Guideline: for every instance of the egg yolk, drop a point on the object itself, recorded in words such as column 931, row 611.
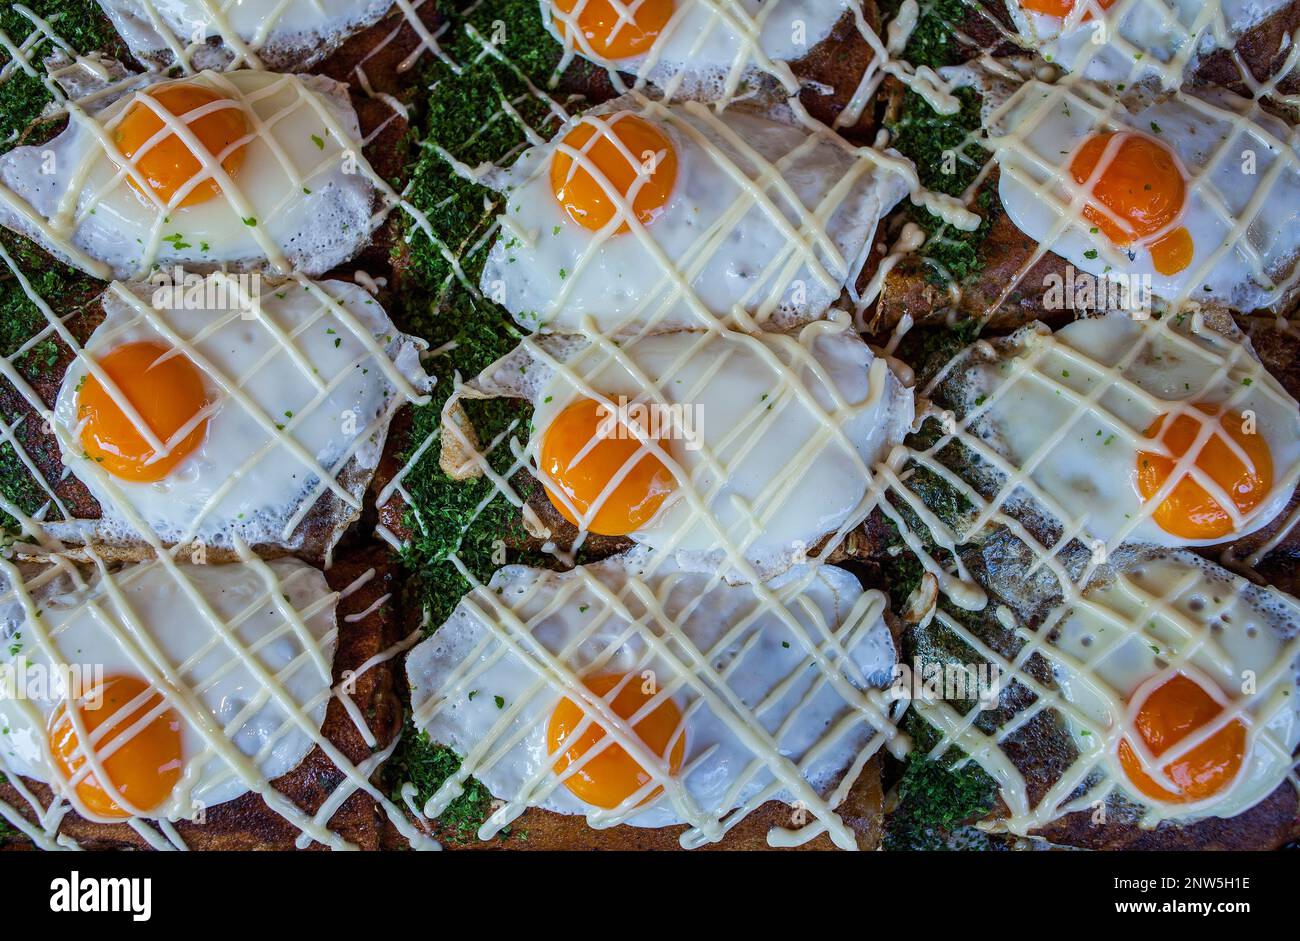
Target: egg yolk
column 169, row 165
column 1190, row 511
column 165, row 393
column 610, row 36
column 612, row 776
column 582, row 450
column 1173, row 711
column 1142, row 185
column 635, row 160
column 1060, row 8
column 144, row 769
column 1172, row 253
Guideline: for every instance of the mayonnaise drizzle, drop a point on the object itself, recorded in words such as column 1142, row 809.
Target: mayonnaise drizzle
column 888, row 479
column 127, row 630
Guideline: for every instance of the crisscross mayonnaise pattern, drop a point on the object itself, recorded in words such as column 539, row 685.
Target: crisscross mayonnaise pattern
column 103, row 588
column 510, row 631
column 890, row 478
column 808, row 240
column 1093, row 775
column 993, row 510
column 338, row 145
column 1232, row 361
column 789, row 358
column 126, row 632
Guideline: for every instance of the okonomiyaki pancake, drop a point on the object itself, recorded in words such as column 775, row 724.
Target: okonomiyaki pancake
column 1220, row 236
column 743, row 403
column 825, row 54
column 1171, row 41
column 243, row 170
column 314, row 776
column 201, row 34
column 236, row 432
column 522, row 677
column 673, row 217
column 1074, row 433
column 542, row 830
column 1067, row 767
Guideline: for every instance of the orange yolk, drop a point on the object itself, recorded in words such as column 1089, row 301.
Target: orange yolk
column 143, row 770
column 599, row 22
column 1172, row 253
column 1059, row 8
column 1141, row 185
column 612, row 776
column 582, row 450
column 170, row 164
column 166, row 395
column 1190, row 511
column 650, row 164
column 1171, row 713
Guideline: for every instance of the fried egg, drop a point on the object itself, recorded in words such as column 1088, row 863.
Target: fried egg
column 244, row 170
column 286, row 35
column 1188, row 678
column 693, row 48
column 1137, row 40
column 508, row 679
column 1165, row 432
column 210, row 418
column 643, row 213
column 713, row 446
column 1200, row 195
column 177, row 718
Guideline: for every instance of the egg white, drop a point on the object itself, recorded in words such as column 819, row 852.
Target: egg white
column 535, row 269
column 219, row 680
column 1039, row 130
column 267, row 494
column 317, row 218
column 564, row 606
column 745, row 413
column 1091, row 472
column 1256, row 635
column 287, row 34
